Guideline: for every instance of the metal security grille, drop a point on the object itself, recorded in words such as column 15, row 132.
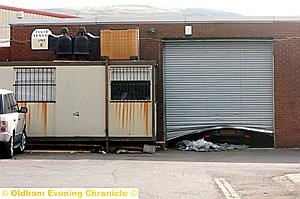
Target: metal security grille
column 218, row 83
column 35, row 84
column 130, row 83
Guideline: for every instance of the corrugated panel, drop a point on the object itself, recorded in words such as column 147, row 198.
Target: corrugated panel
column 218, row 83
column 7, row 16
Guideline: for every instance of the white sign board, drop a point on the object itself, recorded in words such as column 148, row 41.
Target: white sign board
column 188, row 30
column 39, row 39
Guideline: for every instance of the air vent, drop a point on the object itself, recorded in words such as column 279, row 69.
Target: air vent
column 64, row 43
column 20, row 14
column 81, row 44
column 79, row 47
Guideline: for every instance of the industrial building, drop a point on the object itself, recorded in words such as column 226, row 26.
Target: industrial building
column 211, row 74
column 9, row 14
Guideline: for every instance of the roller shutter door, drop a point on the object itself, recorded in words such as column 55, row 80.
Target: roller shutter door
column 218, row 84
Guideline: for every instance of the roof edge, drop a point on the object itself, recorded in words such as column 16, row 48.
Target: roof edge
column 99, row 21
column 38, row 12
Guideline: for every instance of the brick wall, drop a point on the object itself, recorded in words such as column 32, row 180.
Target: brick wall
column 286, row 60
column 287, row 84
column 4, row 54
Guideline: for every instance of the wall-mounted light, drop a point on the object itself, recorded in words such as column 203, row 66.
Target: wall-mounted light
column 151, row 30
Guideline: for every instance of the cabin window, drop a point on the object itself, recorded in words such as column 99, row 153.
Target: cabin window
column 35, row 84
column 130, row 84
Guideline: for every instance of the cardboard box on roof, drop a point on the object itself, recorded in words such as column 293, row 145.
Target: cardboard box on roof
column 119, row 44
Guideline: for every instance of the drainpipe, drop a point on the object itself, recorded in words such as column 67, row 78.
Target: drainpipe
column 106, row 105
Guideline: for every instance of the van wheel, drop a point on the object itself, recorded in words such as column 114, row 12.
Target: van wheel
column 22, row 146
column 9, row 152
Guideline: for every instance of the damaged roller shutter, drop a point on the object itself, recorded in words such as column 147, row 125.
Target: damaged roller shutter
column 218, row 84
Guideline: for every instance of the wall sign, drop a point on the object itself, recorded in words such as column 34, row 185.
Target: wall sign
column 39, row 39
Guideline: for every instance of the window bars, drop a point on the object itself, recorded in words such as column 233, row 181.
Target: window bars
column 130, row 84
column 35, row 84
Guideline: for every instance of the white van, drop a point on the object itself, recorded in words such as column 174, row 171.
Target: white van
column 12, row 124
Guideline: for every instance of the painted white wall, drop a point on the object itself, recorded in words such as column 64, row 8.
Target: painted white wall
column 80, row 89
column 7, row 78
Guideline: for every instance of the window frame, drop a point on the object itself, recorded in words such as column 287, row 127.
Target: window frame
column 134, row 89
column 13, row 103
column 35, row 84
column 6, row 105
column 131, row 75
column 1, row 104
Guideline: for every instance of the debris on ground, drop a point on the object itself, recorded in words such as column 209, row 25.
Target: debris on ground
column 149, row 148
column 126, row 151
column 205, row 146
